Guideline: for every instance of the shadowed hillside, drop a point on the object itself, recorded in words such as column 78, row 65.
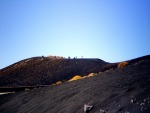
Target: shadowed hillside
column 118, row 90
column 47, row 70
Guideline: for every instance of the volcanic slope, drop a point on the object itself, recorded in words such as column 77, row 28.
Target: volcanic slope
column 47, row 70
column 118, row 90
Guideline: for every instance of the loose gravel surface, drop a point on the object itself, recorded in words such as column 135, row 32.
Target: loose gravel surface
column 118, row 90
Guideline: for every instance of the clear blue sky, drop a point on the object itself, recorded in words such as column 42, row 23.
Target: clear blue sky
column 112, row 30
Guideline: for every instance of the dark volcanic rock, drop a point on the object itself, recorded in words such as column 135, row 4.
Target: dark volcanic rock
column 45, row 71
column 124, row 90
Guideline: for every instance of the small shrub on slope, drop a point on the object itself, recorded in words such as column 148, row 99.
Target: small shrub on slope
column 122, row 64
column 59, row 82
column 77, row 77
column 84, row 77
column 91, row 74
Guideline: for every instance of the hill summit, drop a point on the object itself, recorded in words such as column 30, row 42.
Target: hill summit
column 47, row 70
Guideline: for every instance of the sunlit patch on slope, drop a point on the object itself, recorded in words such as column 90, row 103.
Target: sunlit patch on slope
column 122, row 64
column 59, row 82
column 77, row 77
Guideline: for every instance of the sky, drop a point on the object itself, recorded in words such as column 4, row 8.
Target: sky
column 112, row 30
